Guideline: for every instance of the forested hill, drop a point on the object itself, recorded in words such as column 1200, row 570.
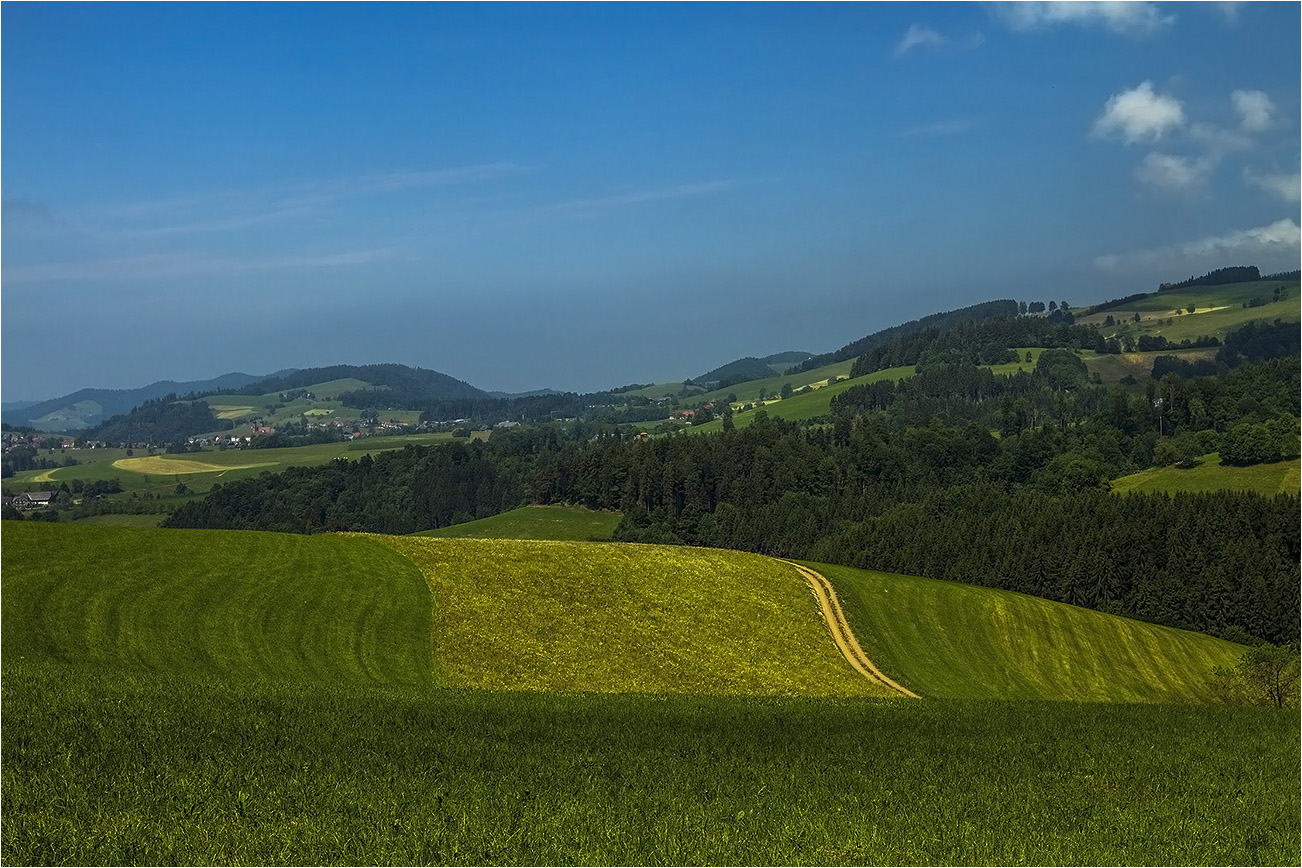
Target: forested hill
column 749, row 368
column 89, row 407
column 943, row 322
column 414, row 384
column 905, row 477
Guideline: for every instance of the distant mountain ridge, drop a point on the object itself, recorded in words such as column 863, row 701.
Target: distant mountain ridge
column 749, row 368
column 86, row 408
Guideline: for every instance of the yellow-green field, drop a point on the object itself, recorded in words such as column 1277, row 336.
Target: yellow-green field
column 604, row 617
column 1283, row 477
column 170, row 464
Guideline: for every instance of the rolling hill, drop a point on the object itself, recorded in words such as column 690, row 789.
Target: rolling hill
column 555, row 616
column 226, row 697
column 86, row 408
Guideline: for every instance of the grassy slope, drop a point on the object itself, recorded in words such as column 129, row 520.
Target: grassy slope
column 1283, row 477
column 812, row 403
column 1219, row 310
column 535, row 522
column 944, row 639
column 579, row 617
column 219, row 603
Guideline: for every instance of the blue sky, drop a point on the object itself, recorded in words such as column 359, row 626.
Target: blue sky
column 582, row 196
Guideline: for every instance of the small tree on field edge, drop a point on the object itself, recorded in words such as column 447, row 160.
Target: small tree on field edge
column 1265, row 675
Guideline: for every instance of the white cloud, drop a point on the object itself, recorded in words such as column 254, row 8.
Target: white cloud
column 1130, row 18
column 1255, row 109
column 1277, row 244
column 1174, row 174
column 1140, row 114
column 1285, row 186
column 918, row 34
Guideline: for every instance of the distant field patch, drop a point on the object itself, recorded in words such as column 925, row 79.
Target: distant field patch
column 229, row 411
column 161, row 465
column 1282, row 477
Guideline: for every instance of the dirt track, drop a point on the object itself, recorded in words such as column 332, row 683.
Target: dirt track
column 841, row 633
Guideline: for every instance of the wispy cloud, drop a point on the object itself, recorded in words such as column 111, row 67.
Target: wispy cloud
column 1128, row 18
column 1279, row 241
column 1256, row 111
column 1287, row 186
column 1175, row 174
column 918, row 35
column 184, row 264
column 639, row 197
column 229, row 210
column 1140, row 114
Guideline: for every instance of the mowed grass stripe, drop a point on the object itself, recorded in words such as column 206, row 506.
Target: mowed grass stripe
column 236, row 604
column 949, row 640
column 577, row 617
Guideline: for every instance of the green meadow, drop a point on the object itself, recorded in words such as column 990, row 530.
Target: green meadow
column 222, row 697
column 535, row 522
column 1282, row 477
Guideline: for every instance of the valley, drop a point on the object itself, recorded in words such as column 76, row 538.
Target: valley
column 973, row 595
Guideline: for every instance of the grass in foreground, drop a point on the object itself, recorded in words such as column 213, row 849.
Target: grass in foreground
column 118, row 767
column 950, row 640
column 535, row 522
column 1282, row 477
column 579, row 617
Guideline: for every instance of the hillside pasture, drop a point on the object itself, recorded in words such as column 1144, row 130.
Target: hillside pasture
column 576, row 617
column 811, row 404
column 958, row 641
column 535, row 522
column 1282, row 477
column 1218, row 310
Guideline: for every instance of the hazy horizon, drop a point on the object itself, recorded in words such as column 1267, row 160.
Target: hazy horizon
column 581, row 196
